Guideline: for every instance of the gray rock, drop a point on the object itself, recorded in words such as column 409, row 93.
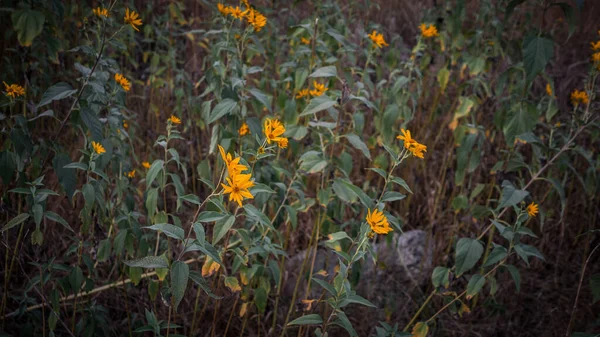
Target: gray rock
column 402, row 266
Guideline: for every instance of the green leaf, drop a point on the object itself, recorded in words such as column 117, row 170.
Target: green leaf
column 520, row 119
column 191, row 198
column 354, row 298
column 179, row 279
column 343, row 191
column 148, row 262
column 475, row 284
column 392, row 196
column 211, row 216
column 440, row 277
column 510, row 195
column 468, row 252
column 91, row 120
column 76, row 165
column 497, row 254
column 261, row 97
column 514, row 272
column 537, row 51
column 38, row 214
column 260, row 188
column 402, row 183
column 420, row 329
column 358, row 144
column 317, row 104
column 66, row 176
column 327, row 71
column 57, row 218
column 151, row 202
column 56, row 92
column 197, row 278
column 460, row 202
column 260, row 299
column 16, row 221
column 312, row 319
column 153, row 171
column 325, row 286
column 255, row 214
column 171, row 231
column 28, row 24
column 221, row 228
column 338, row 236
column 524, row 251
column 343, row 321
column 224, row 107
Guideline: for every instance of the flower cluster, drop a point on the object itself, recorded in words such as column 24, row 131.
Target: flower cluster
column 378, row 40
column 274, row 130
column 132, row 19
column 252, row 16
column 123, row 82
column 317, row 90
column 130, row 174
column 237, row 183
column 378, row 222
column 428, row 31
column 101, row 12
column 14, row 90
column 411, row 144
column 579, row 97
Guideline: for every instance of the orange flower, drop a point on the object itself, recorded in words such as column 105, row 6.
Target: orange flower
column 244, row 130
column 273, row 130
column 14, row 90
column 174, row 119
column 428, row 31
column 123, row 82
column 377, row 39
column 132, row 19
column 378, row 222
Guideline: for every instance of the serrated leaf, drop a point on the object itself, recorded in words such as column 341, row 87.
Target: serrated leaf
column 537, row 51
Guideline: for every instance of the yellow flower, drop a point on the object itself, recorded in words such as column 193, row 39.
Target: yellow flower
column 596, row 57
column 261, row 150
column 233, row 165
column 406, row 137
column 132, row 18
column 302, row 93
column 225, row 10
column 557, row 124
column 305, row 40
column 418, row 149
column 98, row 148
column 378, row 222
column 377, row 39
column 579, row 97
column 428, row 31
column 532, row 209
column 246, row 3
column 124, row 82
column 130, row 174
column 273, row 130
column 236, row 12
column 125, row 125
column 14, row 90
column 412, row 145
column 549, row 89
column 238, row 188
column 319, row 89
column 243, row 130
column 283, row 143
column 146, row 165
column 256, row 19
column 101, row 12
column 595, row 45
column 174, row 119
